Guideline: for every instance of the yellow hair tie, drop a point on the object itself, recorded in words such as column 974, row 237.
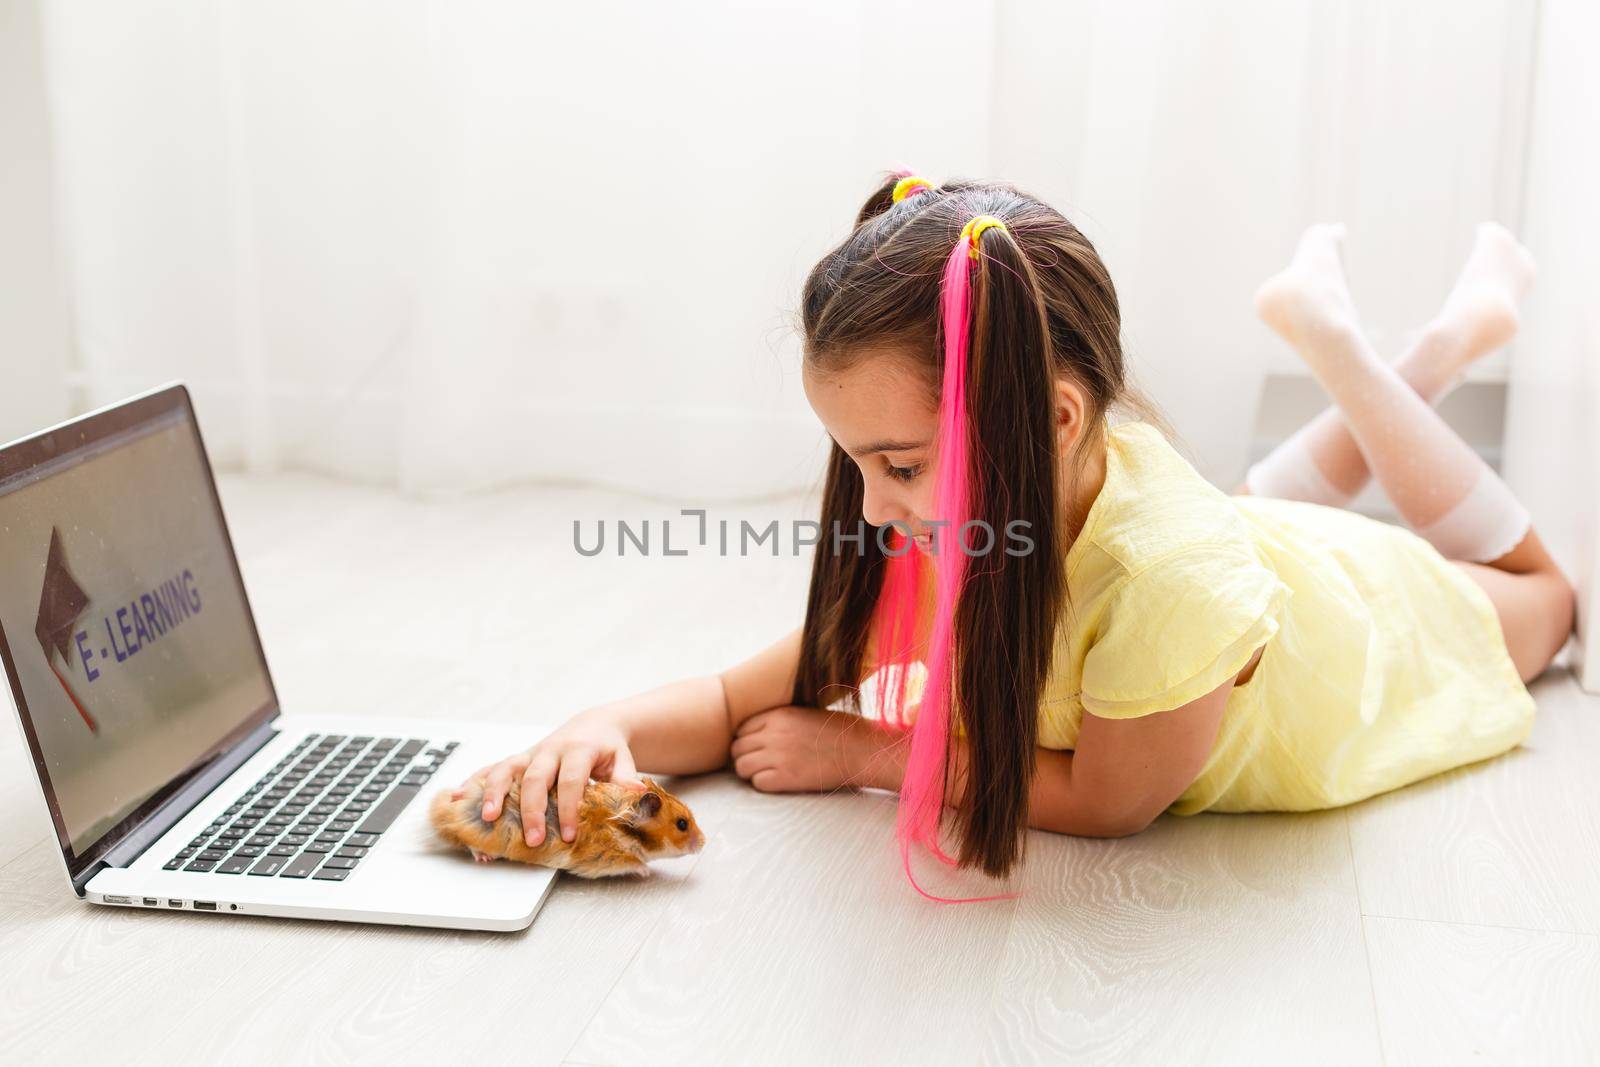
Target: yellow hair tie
column 974, row 230
column 904, row 186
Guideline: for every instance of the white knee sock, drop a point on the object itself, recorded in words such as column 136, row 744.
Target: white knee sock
column 1438, row 484
column 1486, row 524
column 1289, row 473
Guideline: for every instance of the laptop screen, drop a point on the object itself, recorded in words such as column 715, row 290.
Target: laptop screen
column 125, row 624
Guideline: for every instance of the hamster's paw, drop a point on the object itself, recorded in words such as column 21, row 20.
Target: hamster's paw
column 483, row 857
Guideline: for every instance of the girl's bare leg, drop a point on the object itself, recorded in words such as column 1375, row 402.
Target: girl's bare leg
column 1440, row 486
column 1322, row 461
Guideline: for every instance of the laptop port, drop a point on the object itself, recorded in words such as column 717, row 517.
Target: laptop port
column 205, row 905
column 109, row 899
column 151, row 902
column 174, row 903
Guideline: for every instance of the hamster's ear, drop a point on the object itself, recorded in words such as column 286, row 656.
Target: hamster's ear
column 647, row 806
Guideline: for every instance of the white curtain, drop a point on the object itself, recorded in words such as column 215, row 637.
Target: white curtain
column 451, row 245
column 1552, row 434
column 1194, row 142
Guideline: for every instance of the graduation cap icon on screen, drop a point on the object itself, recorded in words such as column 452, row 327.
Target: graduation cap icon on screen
column 60, row 605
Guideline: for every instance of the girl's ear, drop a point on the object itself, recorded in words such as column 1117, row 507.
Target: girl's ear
column 1071, row 414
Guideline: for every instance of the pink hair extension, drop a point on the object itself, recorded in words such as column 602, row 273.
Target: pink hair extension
column 896, row 615
column 922, row 791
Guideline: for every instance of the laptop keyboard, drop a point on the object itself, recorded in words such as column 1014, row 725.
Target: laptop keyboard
column 319, row 811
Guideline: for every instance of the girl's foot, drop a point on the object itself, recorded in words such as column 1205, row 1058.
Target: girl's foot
column 1308, row 301
column 1480, row 314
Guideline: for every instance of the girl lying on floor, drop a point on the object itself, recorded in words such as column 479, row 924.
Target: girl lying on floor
column 1164, row 646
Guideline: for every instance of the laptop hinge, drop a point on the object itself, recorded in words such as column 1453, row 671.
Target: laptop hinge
column 183, row 801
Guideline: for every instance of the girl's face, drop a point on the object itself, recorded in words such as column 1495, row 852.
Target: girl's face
column 880, row 411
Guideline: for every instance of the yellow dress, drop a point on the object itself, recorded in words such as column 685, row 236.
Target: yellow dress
column 1383, row 664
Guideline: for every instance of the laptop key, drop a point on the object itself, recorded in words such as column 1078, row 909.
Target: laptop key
column 341, row 862
column 269, row 865
column 331, row 874
column 200, row 865
column 212, row 854
column 322, row 847
column 234, row 865
column 284, row 850
column 301, row 866
column 248, row 851
column 362, row 840
column 383, row 816
column 349, row 852
column 172, row 864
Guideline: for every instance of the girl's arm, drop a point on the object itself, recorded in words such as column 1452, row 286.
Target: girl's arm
column 681, row 728
column 686, row 727
column 1123, row 774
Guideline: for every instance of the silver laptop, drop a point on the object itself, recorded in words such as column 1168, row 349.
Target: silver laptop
column 171, row 779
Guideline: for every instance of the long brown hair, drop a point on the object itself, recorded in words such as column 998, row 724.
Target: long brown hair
column 1043, row 307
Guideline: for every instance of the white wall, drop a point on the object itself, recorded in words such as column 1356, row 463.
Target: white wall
column 34, row 324
column 1553, row 422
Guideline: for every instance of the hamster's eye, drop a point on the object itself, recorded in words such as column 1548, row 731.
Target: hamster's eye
column 683, row 824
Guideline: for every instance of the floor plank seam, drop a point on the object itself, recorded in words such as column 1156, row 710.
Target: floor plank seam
column 1484, row 926
column 989, row 1019
column 601, row 1003
column 1366, row 950
column 4, row 864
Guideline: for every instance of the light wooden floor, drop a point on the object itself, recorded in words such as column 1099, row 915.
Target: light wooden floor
column 1455, row 921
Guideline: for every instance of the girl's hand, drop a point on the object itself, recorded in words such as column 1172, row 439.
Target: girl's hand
column 584, row 748
column 801, row 750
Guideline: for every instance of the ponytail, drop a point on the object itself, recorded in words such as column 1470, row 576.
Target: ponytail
column 994, row 333
column 995, row 614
